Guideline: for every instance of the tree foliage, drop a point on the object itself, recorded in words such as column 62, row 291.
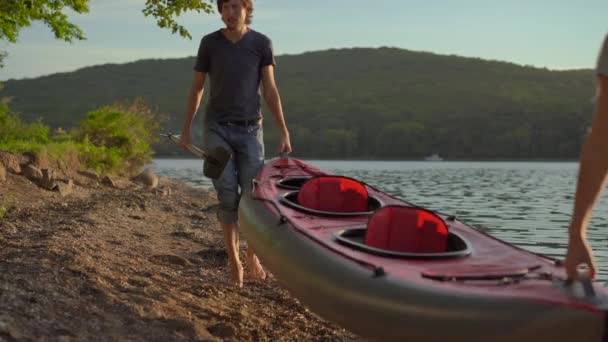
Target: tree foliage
column 12, row 128
column 165, row 12
column 17, row 14
column 124, row 131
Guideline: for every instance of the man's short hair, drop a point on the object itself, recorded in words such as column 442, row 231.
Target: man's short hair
column 248, row 5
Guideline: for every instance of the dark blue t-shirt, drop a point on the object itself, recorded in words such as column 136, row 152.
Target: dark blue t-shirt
column 234, row 72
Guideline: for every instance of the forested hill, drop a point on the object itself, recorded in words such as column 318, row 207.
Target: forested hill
column 383, row 103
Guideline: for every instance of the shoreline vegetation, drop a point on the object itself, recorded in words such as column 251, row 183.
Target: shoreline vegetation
column 88, row 252
column 114, row 140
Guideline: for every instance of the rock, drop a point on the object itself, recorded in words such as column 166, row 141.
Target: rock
column 165, row 191
column 222, row 330
column 86, row 184
column 147, row 178
column 7, row 329
column 90, row 174
column 47, row 181
column 87, row 179
column 12, row 162
column 168, row 259
column 107, row 181
column 31, row 157
column 2, row 173
column 31, row 172
column 64, row 188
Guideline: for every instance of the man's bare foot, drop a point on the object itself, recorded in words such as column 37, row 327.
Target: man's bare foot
column 237, row 275
column 255, row 269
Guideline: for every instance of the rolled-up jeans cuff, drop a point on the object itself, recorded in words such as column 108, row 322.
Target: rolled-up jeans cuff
column 227, row 216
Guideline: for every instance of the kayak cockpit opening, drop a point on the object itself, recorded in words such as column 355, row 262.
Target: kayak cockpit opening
column 406, row 231
column 355, row 238
column 294, row 183
column 332, row 195
column 291, row 199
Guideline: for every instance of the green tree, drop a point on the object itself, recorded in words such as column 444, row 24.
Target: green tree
column 165, row 12
column 17, row 14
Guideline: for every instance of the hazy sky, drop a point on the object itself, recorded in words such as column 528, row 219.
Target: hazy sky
column 557, row 34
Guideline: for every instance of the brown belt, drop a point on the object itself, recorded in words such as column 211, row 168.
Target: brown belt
column 241, row 123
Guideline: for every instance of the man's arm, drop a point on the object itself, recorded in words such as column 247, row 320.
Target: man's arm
column 273, row 99
column 591, row 179
column 194, row 100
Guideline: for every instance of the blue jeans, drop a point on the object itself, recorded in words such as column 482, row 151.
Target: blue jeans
column 247, row 147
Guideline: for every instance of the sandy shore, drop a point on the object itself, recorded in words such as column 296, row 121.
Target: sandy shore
column 128, row 263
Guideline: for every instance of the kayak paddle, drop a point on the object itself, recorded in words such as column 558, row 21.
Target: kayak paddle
column 215, row 160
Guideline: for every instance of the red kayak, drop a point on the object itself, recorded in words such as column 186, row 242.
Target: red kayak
column 389, row 270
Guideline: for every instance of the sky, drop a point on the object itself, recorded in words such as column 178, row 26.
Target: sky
column 556, row 34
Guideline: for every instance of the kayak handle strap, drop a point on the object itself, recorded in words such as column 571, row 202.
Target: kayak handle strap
column 586, row 281
column 588, row 287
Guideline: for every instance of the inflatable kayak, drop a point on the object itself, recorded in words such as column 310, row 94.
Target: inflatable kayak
column 389, row 270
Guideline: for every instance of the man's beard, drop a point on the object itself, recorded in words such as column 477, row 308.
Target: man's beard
column 232, row 26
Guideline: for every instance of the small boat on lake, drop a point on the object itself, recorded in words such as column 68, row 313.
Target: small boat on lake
column 434, row 157
column 389, row 270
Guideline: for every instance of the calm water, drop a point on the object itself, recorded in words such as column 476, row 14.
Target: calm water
column 526, row 203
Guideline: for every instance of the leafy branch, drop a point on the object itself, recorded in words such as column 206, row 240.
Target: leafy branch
column 17, row 14
column 165, row 12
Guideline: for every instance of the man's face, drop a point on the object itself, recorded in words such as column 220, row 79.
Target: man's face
column 234, row 14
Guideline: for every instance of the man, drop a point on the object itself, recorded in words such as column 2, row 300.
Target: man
column 236, row 58
column 591, row 177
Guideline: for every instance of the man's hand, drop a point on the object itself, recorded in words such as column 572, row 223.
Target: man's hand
column 284, row 143
column 185, row 140
column 579, row 253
